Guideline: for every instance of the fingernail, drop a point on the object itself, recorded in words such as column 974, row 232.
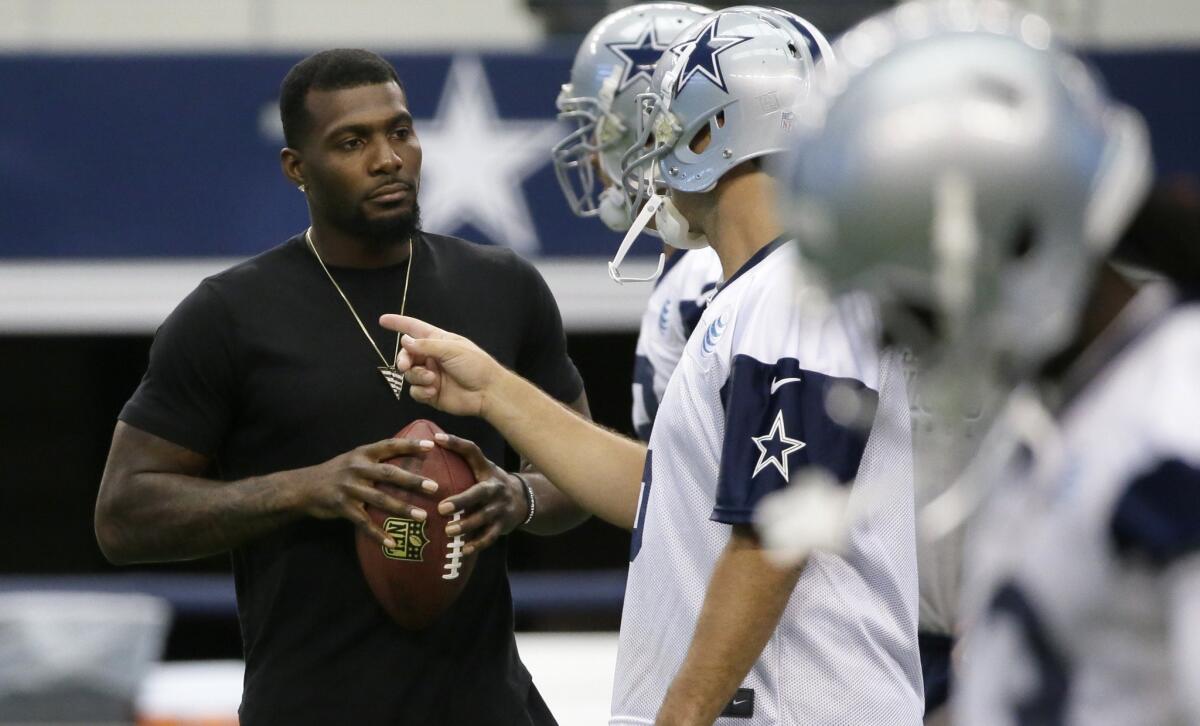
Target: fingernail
column 418, row 514
column 429, row 485
column 446, row 508
column 426, row 443
column 389, row 543
column 406, row 339
column 453, row 529
column 441, row 437
column 468, row 549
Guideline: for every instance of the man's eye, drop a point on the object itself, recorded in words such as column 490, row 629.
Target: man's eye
column 402, row 133
column 351, row 144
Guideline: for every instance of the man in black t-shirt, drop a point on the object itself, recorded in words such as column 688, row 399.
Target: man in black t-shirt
column 265, row 415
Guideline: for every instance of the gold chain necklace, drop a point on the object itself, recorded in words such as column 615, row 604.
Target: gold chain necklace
column 394, row 378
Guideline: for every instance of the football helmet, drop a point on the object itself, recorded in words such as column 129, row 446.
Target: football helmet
column 613, row 65
column 968, row 172
column 724, row 93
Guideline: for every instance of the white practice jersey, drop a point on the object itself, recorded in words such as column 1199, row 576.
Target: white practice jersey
column 745, row 410
column 942, row 447
column 1083, row 579
column 671, row 315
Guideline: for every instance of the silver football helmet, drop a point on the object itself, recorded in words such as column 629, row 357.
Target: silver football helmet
column 733, row 81
column 968, row 172
column 613, row 65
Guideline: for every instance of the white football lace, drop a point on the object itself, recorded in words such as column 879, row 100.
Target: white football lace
column 453, row 553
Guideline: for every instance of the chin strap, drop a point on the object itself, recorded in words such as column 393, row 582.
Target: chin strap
column 643, row 218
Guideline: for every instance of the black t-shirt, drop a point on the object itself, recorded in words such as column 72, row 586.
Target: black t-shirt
column 263, row 369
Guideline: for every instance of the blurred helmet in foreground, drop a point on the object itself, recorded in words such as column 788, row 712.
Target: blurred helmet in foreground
column 613, row 65
column 969, row 173
column 724, row 93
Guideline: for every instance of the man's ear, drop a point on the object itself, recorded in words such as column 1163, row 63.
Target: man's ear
column 292, row 165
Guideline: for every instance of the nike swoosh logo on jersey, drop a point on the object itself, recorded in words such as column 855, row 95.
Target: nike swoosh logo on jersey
column 776, row 383
column 738, row 703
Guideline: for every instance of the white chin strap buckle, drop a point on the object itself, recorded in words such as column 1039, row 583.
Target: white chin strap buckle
column 643, row 218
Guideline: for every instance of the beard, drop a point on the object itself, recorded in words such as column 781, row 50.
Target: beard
column 385, row 232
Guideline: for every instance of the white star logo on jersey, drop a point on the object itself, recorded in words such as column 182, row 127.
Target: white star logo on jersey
column 475, row 162
column 774, row 448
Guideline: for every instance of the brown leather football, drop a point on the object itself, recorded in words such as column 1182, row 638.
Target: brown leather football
column 426, row 571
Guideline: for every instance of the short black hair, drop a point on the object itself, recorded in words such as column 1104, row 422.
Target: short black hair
column 329, row 70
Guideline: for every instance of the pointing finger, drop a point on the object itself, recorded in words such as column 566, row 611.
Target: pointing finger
column 410, row 326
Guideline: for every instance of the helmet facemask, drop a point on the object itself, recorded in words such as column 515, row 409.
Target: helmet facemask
column 592, row 145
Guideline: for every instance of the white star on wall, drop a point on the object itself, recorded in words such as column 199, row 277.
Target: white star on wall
column 785, row 446
column 475, row 162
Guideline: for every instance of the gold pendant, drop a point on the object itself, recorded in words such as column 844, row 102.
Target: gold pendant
column 394, row 378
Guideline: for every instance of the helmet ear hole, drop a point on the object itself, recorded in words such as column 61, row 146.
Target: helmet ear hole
column 700, row 141
column 720, row 118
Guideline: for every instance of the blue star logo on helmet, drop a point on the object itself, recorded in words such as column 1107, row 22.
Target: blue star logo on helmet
column 638, row 57
column 703, row 55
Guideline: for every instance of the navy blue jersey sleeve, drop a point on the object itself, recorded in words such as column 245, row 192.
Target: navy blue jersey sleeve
column 1157, row 519
column 187, row 393
column 776, row 424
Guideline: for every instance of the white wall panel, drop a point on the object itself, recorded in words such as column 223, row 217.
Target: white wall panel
column 16, row 23
column 388, row 24
column 154, row 25
column 117, row 25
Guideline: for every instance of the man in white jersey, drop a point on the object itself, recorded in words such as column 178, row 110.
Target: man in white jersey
column 613, row 66
column 672, row 313
column 1083, row 567
column 712, row 631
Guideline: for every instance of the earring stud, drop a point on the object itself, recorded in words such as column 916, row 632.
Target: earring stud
column 303, row 188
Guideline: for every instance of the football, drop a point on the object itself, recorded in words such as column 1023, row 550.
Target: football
column 426, row 571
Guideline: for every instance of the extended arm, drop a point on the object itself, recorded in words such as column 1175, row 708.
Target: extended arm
column 556, row 512
column 597, row 468
column 155, row 505
column 745, row 599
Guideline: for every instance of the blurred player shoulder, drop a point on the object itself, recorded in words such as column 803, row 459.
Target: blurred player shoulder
column 1146, row 405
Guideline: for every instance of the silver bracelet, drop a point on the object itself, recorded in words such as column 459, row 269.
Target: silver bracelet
column 528, row 498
